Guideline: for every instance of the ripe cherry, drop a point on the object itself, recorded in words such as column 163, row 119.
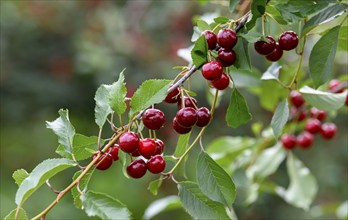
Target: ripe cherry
column 135, row 153
column 212, row 70
column 114, row 151
column 335, row 86
column 156, row 164
column 221, row 83
column 129, row 142
column 188, row 102
column 187, row 117
column 288, row 141
column 179, row 129
column 159, row 146
column 153, row 119
column 147, row 147
column 296, row 98
column 276, row 54
column 318, row 114
column 328, row 130
column 313, row 125
column 211, row 39
column 346, row 102
column 137, row 168
column 104, row 161
column 265, row 48
column 226, row 57
column 204, row 116
column 227, row 38
column 305, row 139
column 288, row 40
column 173, row 97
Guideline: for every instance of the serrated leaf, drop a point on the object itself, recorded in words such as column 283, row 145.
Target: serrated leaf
column 102, row 106
column 221, row 20
column 42, row 172
column 272, row 72
column 82, row 186
column 62, row 152
column 280, row 118
column 19, row 176
column 198, row 205
column 203, row 25
column 104, row 206
column 162, row 205
column 150, row 92
column 237, row 111
column 63, row 129
column 321, row 59
column 214, row 181
column 243, row 58
column 81, row 142
column 155, row 185
column 117, row 95
column 322, row 28
column 199, row 52
column 323, row 100
column 257, row 9
column 275, row 14
column 251, row 36
column 181, row 147
column 22, row 215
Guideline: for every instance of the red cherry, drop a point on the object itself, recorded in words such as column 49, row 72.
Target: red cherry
column 137, row 168
column 227, row 38
column 114, row 151
column 335, row 86
column 156, row 164
column 276, row 54
column 221, row 83
column 288, row 40
column 212, row 70
column 328, row 130
column 203, row 117
column 159, row 146
column 189, row 102
column 104, row 161
column 129, row 142
column 302, row 115
column 318, row 114
column 187, row 117
column 147, row 147
column 179, row 129
column 346, row 102
column 153, row 119
column 313, row 125
column 305, row 139
column 296, row 98
column 135, row 153
column 211, row 39
column 288, row 141
column 226, row 57
column 265, row 48
column 173, row 97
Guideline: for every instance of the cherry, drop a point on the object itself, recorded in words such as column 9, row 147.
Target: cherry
column 179, row 129
column 186, row 117
column 346, row 102
column 221, row 83
column 305, row 139
column 212, row 70
column 265, row 48
column 156, row 164
column 211, row 39
column 188, row 102
column 173, row 96
column 313, row 125
column 318, row 114
column 288, row 141
column 296, row 98
column 328, row 130
column 137, row 168
column 153, row 119
column 288, row 40
column 227, row 38
column 159, row 146
column 147, row 147
column 129, row 142
column 276, row 54
column 335, row 86
column 135, row 153
column 226, row 57
column 114, row 151
column 204, row 116
column 104, row 161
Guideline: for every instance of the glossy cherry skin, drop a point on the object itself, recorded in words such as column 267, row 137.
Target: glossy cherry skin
column 114, row 151
column 318, row 114
column 211, row 39
column 265, row 48
column 227, row 38
column 305, row 139
column 188, row 102
column 159, row 146
column 335, row 86
column 187, row 117
column 147, row 147
column 313, row 125
column 328, row 130
column 221, row 83
column 153, row 119
column 179, row 129
column 104, row 162
column 137, row 168
column 129, row 142
column 296, row 98
column 276, row 54
column 288, row 141
column 204, row 116
column 226, row 57
column 156, row 164
column 212, row 70
column 173, row 97
column 288, row 40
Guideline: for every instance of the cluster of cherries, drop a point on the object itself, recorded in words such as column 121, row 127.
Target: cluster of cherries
column 274, row 50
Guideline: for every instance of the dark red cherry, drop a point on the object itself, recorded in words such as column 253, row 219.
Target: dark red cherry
column 104, row 161
column 226, row 57
column 153, row 119
column 305, row 139
column 159, row 146
column 335, row 86
column 129, row 142
column 296, row 98
column 346, row 102
column 156, row 164
column 318, row 114
column 173, row 97
column 189, row 102
column 221, row 83
column 179, row 129
column 135, row 153
column 328, row 130
column 212, row 70
column 114, row 151
column 187, row 117
column 313, row 125
column 203, row 117
column 276, row 54
column 137, row 168
column 288, row 141
column 147, row 147
column 265, row 48
column 288, row 40
column 211, row 39
column 227, row 38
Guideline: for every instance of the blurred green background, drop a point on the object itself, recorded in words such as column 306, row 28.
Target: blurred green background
column 54, row 54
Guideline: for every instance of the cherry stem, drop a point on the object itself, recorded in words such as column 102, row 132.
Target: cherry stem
column 299, row 64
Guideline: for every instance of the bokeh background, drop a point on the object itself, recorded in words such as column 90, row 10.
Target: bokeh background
column 55, row 54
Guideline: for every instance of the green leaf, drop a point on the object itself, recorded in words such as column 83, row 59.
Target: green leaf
column 322, row 28
column 63, row 129
column 267, row 162
column 198, row 205
column 243, row 58
column 155, row 185
column 42, row 172
column 257, row 9
column 81, row 142
column 19, row 176
column 343, row 38
column 202, row 25
column 275, row 14
column 251, row 36
column 62, row 152
column 125, row 160
column 22, row 215
column 303, row 186
column 214, row 181
column 237, row 111
column 342, row 211
column 199, row 52
column 221, row 20
column 181, row 147
column 280, row 118
column 117, row 95
column 321, row 59
column 162, row 205
column 102, row 107
column 82, row 186
column 104, row 206
column 150, row 92
column 233, row 4
column 272, row 72
column 323, row 100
